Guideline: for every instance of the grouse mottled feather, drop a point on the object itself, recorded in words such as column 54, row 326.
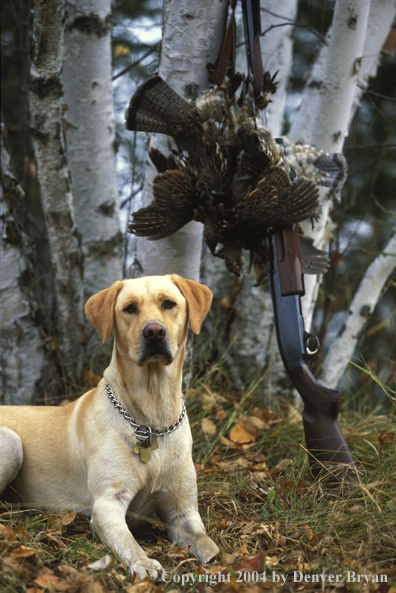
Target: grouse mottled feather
column 227, row 172
column 153, row 223
column 274, row 200
column 157, row 108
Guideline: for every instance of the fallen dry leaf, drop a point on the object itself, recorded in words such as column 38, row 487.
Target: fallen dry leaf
column 240, row 435
column 13, row 565
column 24, row 552
column 47, row 581
column 258, row 467
column 243, row 551
column 229, row 559
column 145, row 586
column 53, row 541
column 94, row 587
column 255, row 456
column 264, row 415
column 255, row 425
column 224, row 524
column 232, row 464
column 280, row 466
column 208, row 428
column 101, row 564
column 7, row 534
column 208, row 401
column 309, row 534
column 179, row 553
column 271, row 561
column 68, row 518
column 296, row 486
column 254, row 564
column 24, row 532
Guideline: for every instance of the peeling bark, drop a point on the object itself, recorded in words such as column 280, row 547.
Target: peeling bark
column 22, row 359
column 45, row 103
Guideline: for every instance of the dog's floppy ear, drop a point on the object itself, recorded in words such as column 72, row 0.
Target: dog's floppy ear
column 198, row 297
column 100, row 309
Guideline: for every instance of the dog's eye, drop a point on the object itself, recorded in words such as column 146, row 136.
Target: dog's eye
column 130, row 309
column 168, row 304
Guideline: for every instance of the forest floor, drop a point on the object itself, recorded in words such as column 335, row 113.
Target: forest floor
column 277, row 529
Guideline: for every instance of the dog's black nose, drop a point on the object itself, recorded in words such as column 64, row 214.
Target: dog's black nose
column 154, row 332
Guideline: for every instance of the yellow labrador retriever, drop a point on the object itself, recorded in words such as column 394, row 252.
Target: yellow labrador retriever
column 123, row 450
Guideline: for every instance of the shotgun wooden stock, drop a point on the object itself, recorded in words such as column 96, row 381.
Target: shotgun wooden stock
column 325, row 443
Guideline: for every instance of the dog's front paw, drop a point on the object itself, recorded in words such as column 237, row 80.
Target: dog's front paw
column 205, row 548
column 146, row 567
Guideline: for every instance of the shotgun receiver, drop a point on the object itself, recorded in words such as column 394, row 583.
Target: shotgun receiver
column 329, row 456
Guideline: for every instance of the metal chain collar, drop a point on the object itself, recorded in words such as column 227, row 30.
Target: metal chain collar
column 144, row 434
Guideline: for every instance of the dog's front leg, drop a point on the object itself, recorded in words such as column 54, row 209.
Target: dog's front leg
column 108, row 519
column 178, row 508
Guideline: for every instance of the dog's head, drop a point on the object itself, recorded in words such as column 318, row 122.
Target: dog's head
column 149, row 315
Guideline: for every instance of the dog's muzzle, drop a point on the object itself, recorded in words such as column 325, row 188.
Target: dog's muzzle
column 155, row 346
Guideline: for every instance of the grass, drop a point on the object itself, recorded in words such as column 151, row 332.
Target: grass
column 255, row 495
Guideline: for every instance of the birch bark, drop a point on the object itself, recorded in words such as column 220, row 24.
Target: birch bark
column 326, row 110
column 45, row 103
column 277, row 53
column 192, row 37
column 363, row 304
column 381, row 15
column 257, row 340
column 22, row 359
column 90, row 139
column 329, row 103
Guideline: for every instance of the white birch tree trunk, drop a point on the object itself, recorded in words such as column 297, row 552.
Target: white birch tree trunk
column 192, row 37
column 336, row 94
column 254, row 328
column 90, row 139
column 363, row 304
column 332, row 110
column 329, row 103
column 359, row 29
column 45, row 103
column 381, row 15
column 277, row 54
column 22, row 359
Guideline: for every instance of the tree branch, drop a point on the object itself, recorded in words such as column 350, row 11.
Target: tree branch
column 363, row 304
column 136, row 63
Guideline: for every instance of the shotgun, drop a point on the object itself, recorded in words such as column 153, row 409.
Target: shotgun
column 329, row 456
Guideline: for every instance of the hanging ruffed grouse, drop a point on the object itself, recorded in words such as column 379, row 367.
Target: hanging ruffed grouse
column 228, row 172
